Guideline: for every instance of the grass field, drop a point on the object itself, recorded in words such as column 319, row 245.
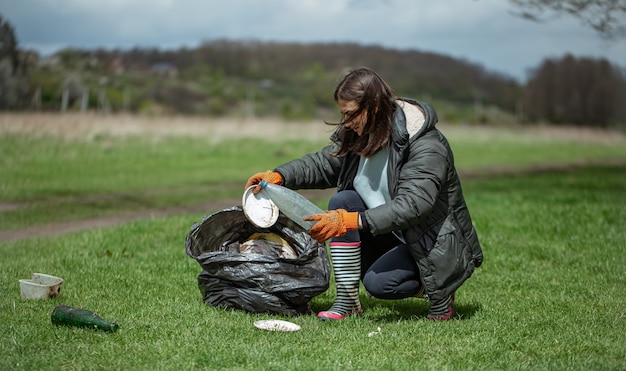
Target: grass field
column 550, row 294
column 71, row 167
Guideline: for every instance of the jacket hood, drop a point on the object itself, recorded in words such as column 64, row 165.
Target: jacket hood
column 417, row 117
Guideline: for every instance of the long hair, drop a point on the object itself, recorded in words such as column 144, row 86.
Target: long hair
column 374, row 96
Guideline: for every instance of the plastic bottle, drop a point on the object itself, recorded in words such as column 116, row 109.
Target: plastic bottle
column 78, row 317
column 291, row 203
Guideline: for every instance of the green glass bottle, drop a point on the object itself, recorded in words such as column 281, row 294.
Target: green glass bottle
column 63, row 315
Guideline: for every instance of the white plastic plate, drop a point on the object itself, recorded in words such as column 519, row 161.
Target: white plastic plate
column 276, row 325
column 259, row 209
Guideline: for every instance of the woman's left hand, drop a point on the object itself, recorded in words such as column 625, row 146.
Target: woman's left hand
column 333, row 223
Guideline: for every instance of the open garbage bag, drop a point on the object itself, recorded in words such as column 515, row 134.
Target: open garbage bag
column 241, row 272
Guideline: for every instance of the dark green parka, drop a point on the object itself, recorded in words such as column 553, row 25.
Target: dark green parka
column 427, row 203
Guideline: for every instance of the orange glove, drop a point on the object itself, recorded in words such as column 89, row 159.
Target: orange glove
column 270, row 176
column 333, row 223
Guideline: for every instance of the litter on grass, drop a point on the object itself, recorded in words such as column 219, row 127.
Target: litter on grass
column 40, row 286
column 276, row 325
column 375, row 333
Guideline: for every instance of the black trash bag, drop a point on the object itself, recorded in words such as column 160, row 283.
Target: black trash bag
column 253, row 282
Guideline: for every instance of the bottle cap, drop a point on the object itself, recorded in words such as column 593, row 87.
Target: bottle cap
column 259, row 209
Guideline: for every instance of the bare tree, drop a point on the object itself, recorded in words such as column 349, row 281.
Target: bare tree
column 579, row 91
column 606, row 17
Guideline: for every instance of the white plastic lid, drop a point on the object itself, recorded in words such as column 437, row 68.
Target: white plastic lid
column 276, row 325
column 259, row 209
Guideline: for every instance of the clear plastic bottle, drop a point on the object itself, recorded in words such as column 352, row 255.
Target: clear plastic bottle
column 291, row 203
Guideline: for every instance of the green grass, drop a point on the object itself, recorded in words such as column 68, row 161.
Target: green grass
column 472, row 154
column 49, row 179
column 47, row 168
column 549, row 296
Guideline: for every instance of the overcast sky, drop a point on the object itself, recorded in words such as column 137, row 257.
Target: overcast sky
column 479, row 31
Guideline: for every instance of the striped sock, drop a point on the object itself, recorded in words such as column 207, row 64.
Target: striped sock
column 346, row 258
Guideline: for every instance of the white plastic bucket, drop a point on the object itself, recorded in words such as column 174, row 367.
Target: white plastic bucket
column 40, row 286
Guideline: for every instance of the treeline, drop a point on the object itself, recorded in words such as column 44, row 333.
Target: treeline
column 409, row 72
column 579, row 91
column 292, row 80
column 295, row 81
column 290, row 77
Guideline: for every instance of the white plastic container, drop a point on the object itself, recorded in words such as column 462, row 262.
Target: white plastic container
column 259, row 209
column 40, row 286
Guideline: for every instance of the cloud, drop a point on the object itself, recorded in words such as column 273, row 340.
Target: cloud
column 480, row 31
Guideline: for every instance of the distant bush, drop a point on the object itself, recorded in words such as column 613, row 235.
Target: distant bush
column 296, row 81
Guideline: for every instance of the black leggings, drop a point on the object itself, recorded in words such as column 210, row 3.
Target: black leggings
column 388, row 271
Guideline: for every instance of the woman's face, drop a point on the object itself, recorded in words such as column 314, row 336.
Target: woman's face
column 347, row 109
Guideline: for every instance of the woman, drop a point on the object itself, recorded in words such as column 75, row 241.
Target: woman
column 398, row 221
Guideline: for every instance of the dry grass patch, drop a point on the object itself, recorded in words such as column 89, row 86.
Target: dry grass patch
column 87, row 126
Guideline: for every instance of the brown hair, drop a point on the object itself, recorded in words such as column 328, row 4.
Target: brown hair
column 374, row 96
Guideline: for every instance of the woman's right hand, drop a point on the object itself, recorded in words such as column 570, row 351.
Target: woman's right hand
column 269, row 176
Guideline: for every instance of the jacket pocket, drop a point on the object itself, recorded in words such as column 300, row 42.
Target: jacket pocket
column 450, row 256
